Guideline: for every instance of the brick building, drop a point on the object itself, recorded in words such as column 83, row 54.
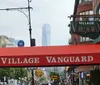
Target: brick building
column 85, row 10
column 84, row 29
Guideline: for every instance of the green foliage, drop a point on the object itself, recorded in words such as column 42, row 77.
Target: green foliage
column 42, row 79
column 5, row 72
column 95, row 77
column 13, row 72
column 53, row 73
column 20, row 72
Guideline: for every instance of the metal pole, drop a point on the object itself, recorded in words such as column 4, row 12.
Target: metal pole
column 30, row 34
column 9, row 9
column 30, row 29
column 32, row 77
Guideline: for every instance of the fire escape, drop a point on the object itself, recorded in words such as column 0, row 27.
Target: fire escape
column 86, row 26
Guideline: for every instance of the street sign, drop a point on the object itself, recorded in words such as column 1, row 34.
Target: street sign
column 39, row 72
column 54, row 77
column 21, row 43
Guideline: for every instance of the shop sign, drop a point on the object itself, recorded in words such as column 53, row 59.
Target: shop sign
column 54, row 77
column 85, row 26
column 48, row 60
column 39, row 73
column 50, row 56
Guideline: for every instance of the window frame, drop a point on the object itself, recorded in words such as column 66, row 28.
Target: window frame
column 98, row 9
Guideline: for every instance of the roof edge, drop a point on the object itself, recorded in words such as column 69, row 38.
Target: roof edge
column 75, row 6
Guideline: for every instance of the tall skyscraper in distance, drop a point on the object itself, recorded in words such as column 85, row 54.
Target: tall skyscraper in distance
column 46, row 41
column 46, row 35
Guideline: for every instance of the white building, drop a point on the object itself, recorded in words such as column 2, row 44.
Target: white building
column 6, row 42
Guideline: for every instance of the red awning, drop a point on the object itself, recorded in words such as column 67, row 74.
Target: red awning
column 50, row 55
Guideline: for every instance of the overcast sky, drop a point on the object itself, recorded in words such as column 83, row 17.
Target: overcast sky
column 54, row 12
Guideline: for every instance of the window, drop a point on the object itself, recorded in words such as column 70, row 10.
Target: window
column 83, row 1
column 98, row 12
column 90, row 12
column 91, row 18
column 86, row 12
column 98, row 9
column 84, row 39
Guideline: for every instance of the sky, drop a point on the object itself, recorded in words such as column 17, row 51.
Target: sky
column 54, row 12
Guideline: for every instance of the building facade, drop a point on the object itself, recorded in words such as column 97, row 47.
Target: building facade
column 85, row 10
column 84, row 29
column 6, row 42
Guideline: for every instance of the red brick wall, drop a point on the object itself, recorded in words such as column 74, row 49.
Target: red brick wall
column 81, row 8
column 84, row 7
column 75, row 38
